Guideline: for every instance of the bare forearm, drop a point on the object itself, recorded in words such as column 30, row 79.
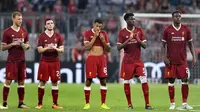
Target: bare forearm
column 106, row 46
column 25, row 46
column 191, row 47
column 121, row 46
column 60, row 50
column 6, row 47
column 41, row 50
column 163, row 50
column 142, row 44
column 89, row 45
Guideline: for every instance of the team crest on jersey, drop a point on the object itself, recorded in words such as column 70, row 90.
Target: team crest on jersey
column 183, row 34
column 22, row 35
column 55, row 40
column 91, row 36
column 126, row 36
column 13, row 35
column 172, row 33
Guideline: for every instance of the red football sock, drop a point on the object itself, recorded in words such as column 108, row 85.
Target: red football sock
column 171, row 93
column 20, row 91
column 103, row 94
column 5, row 92
column 145, row 89
column 185, row 91
column 40, row 95
column 127, row 91
column 87, row 94
column 55, row 94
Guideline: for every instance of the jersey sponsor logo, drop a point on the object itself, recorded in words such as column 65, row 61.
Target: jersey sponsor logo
column 177, row 38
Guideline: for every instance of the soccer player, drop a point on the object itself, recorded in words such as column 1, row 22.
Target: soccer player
column 50, row 44
column 96, row 41
column 175, row 38
column 131, row 39
column 15, row 40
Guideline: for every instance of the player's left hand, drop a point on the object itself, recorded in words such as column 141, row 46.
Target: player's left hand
column 194, row 62
column 102, row 38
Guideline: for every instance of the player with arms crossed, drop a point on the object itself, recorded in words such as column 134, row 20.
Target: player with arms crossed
column 50, row 44
column 175, row 38
column 15, row 40
column 131, row 39
column 96, row 41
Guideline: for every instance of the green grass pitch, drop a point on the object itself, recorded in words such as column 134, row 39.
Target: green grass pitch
column 71, row 97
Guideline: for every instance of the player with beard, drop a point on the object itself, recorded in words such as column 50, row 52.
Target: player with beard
column 50, row 44
column 15, row 40
column 175, row 39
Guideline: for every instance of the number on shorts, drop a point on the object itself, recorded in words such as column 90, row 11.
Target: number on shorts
column 105, row 70
column 187, row 70
column 57, row 73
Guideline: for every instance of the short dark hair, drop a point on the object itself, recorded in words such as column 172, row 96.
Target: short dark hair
column 177, row 11
column 98, row 21
column 47, row 19
column 127, row 15
column 16, row 13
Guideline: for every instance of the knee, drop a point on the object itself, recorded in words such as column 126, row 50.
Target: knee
column 143, row 79
column 8, row 82
column 184, row 80
column 171, row 81
column 21, row 82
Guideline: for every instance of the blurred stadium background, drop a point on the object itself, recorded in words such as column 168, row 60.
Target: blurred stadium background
column 72, row 17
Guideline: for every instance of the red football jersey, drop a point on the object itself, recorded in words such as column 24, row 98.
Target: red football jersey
column 133, row 49
column 44, row 40
column 89, row 34
column 176, row 40
column 9, row 36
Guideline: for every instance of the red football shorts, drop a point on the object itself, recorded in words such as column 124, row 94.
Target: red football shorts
column 16, row 70
column 49, row 69
column 176, row 71
column 96, row 65
column 130, row 70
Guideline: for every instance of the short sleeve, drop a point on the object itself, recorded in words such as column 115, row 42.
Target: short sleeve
column 119, row 40
column 39, row 41
column 5, row 38
column 61, row 41
column 189, row 35
column 142, row 36
column 106, row 38
column 164, row 39
column 86, row 38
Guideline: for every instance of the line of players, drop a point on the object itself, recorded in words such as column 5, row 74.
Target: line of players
column 131, row 39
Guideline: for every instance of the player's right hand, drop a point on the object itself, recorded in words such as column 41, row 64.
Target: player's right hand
column 14, row 43
column 166, row 61
column 96, row 33
column 132, row 35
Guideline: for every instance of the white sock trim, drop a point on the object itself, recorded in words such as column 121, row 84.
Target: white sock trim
column 20, row 86
column 103, row 87
column 171, row 84
column 126, row 81
column 54, row 87
column 143, row 79
column 42, row 87
column 8, row 86
column 184, row 103
column 87, row 88
column 186, row 83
